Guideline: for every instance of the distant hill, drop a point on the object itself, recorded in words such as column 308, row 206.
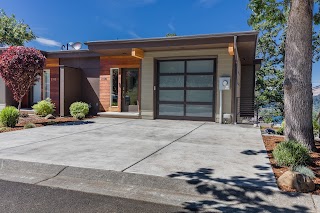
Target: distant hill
column 316, row 98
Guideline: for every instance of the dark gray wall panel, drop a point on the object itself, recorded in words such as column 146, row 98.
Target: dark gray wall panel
column 90, row 79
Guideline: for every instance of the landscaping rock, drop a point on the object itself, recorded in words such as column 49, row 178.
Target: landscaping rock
column 50, row 117
column 270, row 131
column 297, row 181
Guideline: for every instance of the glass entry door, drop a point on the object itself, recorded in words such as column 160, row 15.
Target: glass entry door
column 36, row 93
column 130, row 90
column 186, row 89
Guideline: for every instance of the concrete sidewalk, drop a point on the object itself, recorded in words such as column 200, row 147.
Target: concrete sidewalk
column 195, row 193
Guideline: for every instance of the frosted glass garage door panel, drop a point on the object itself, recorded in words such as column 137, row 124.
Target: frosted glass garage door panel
column 199, row 111
column 200, row 66
column 199, row 96
column 171, row 109
column 171, row 67
column 171, row 81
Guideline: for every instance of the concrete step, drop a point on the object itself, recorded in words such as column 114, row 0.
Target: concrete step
column 120, row 115
column 27, row 111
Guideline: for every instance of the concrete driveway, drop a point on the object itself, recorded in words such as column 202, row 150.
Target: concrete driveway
column 181, row 149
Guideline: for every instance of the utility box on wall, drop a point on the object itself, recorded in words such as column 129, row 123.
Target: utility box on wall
column 224, row 83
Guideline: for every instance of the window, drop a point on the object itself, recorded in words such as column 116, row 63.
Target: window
column 46, row 84
column 114, row 72
column 37, row 91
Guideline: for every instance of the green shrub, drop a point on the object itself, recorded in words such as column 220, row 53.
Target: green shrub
column 79, row 107
column 304, row 170
column 291, row 153
column 9, row 116
column 79, row 116
column 267, row 119
column 44, row 107
column 29, row 126
column 280, row 131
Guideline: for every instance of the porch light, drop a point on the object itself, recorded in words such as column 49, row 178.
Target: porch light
column 231, row 49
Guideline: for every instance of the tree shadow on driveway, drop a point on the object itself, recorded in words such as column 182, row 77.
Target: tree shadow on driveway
column 228, row 196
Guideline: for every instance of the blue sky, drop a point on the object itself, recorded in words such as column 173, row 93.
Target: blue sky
column 61, row 21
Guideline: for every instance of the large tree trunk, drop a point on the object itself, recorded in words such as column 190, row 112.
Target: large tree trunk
column 298, row 73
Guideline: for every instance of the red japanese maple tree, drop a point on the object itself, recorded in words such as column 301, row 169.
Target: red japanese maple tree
column 19, row 68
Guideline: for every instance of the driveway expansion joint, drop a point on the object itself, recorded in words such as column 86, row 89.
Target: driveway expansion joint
column 52, row 176
column 158, row 150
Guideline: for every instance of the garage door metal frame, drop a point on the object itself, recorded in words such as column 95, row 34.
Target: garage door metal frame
column 185, row 88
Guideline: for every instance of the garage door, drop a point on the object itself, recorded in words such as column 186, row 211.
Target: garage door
column 186, row 89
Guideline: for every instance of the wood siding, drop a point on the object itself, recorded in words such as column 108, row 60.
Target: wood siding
column 55, row 87
column 224, row 68
column 53, row 65
column 106, row 63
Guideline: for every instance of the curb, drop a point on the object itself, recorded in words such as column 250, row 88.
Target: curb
column 162, row 190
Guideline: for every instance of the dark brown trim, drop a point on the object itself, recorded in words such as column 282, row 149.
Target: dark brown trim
column 155, row 88
column 139, row 89
column 233, row 94
column 186, row 118
column 185, row 102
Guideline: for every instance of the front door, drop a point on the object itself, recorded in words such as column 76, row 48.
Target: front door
column 130, row 90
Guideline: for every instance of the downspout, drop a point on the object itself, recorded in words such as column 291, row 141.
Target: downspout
column 235, row 86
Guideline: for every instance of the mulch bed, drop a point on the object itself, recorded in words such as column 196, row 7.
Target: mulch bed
column 38, row 121
column 270, row 143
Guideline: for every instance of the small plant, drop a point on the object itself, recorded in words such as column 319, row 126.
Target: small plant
column 51, row 123
column 280, row 131
column 291, row 153
column 3, row 129
column 79, row 107
column 29, row 126
column 79, row 116
column 9, row 116
column 44, row 107
column 267, row 119
column 304, row 170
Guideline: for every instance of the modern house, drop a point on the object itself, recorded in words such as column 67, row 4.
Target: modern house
column 156, row 78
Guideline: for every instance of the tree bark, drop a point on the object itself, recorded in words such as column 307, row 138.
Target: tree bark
column 19, row 106
column 298, row 74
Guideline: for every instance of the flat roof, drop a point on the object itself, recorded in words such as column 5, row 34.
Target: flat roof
column 173, row 38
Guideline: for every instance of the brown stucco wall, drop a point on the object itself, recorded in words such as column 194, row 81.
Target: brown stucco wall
column 72, row 87
column 90, row 68
column 247, row 81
